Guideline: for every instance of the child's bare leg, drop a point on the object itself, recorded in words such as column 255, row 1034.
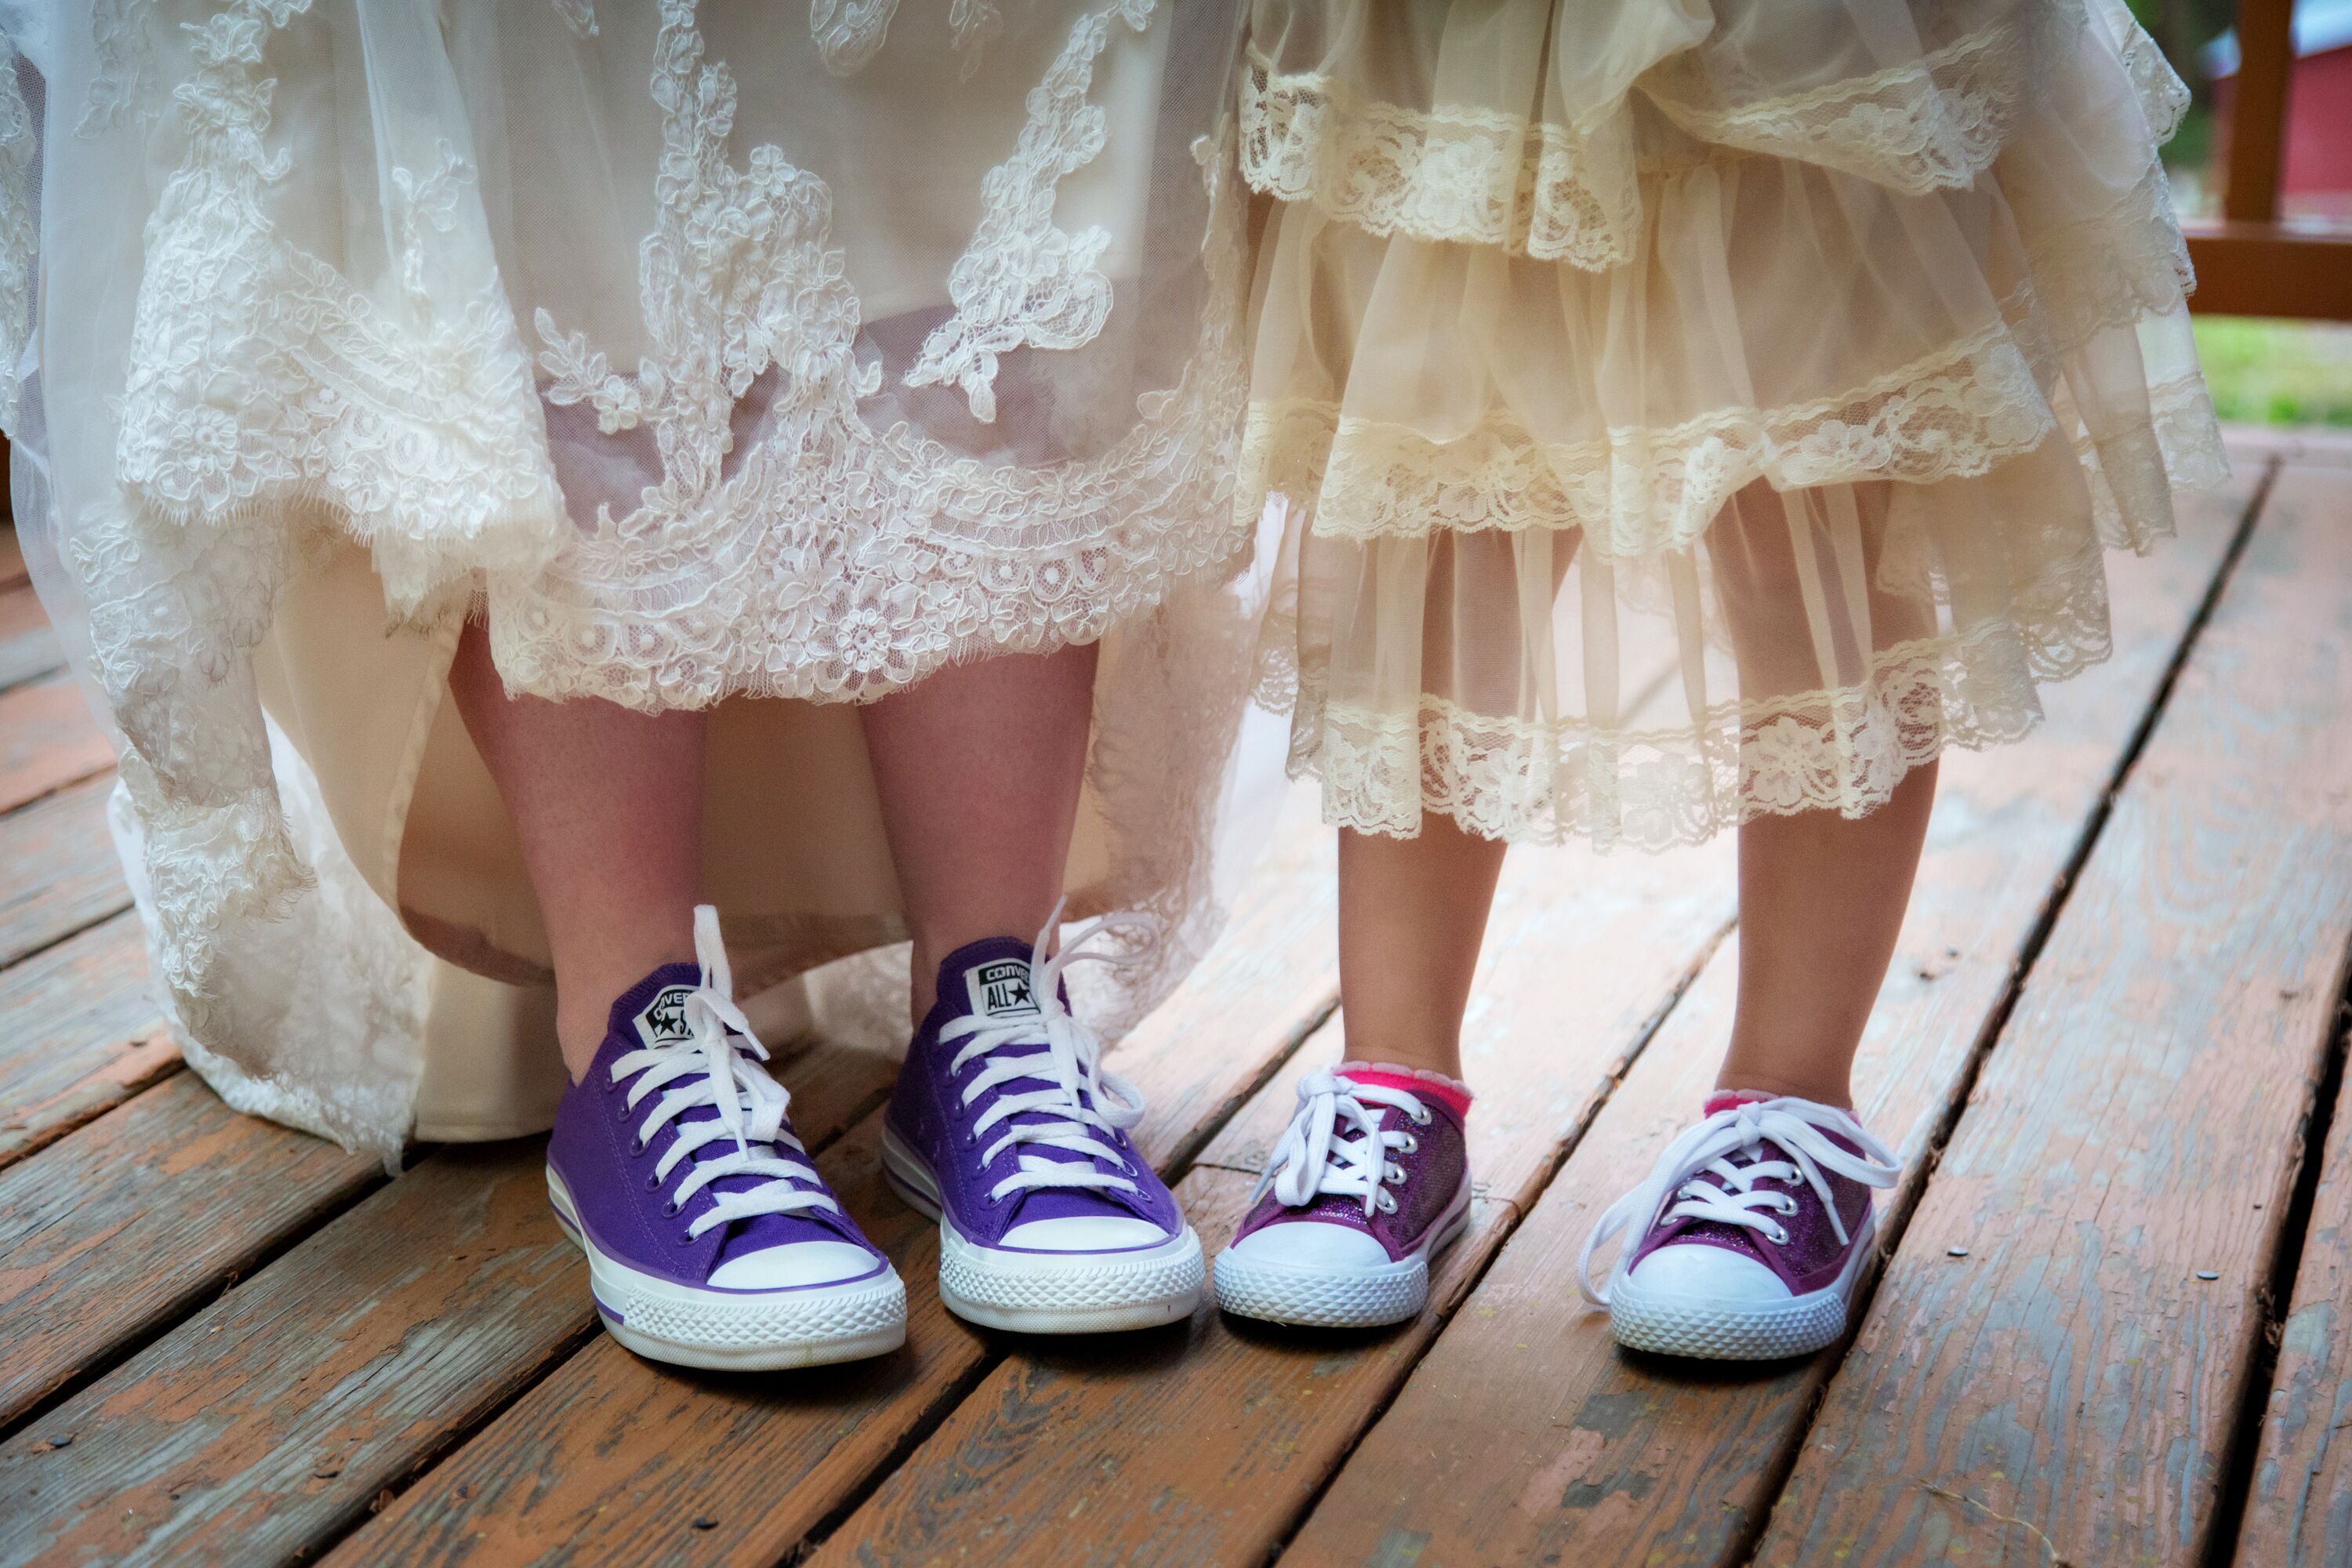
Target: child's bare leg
column 607, row 806
column 1821, row 903
column 980, row 768
column 1413, row 912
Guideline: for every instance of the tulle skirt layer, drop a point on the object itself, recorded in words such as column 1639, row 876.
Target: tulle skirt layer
column 1685, row 415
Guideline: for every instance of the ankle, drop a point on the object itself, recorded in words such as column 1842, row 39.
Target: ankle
column 1445, row 1087
column 1835, row 1094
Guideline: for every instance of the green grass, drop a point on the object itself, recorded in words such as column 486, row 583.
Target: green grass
column 2277, row 373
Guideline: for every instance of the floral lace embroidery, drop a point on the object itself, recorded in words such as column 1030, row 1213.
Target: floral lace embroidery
column 20, row 148
column 1470, row 175
column 123, row 58
column 1935, row 123
column 1534, row 782
column 426, row 437
column 1021, row 282
column 903, row 551
column 1638, row 490
column 2164, row 98
column 580, row 16
column 849, row 33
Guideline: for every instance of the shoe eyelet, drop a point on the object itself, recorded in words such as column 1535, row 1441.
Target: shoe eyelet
column 685, row 1238
column 653, row 1182
column 1779, row 1234
column 1424, row 1119
column 1411, row 1144
column 639, row 1146
column 671, row 1208
column 1385, row 1203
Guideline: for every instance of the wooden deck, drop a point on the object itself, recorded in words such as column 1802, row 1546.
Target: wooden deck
column 2114, row 1323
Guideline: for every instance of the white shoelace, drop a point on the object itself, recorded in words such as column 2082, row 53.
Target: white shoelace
column 711, row 1069
column 1083, row 1098
column 1698, row 1171
column 1313, row 1158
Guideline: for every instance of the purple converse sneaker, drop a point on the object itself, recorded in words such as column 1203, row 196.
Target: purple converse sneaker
column 1005, row 1127
column 1371, row 1181
column 711, row 1239
column 1755, row 1226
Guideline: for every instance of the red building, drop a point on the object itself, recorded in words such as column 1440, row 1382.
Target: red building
column 2316, row 177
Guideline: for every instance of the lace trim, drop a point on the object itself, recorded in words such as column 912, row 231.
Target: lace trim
column 1843, row 751
column 1558, row 192
column 849, row 33
column 1021, row 282
column 2114, row 267
column 1476, row 176
column 2164, row 98
column 1638, row 490
column 1933, row 124
column 904, row 553
column 20, row 234
column 123, row 58
column 425, row 438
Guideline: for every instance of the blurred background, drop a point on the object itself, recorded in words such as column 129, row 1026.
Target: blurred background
column 2263, row 370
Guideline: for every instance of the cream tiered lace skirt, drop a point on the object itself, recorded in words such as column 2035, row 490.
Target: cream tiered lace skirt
column 1690, row 411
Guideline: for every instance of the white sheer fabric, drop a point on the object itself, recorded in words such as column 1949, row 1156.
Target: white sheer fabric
column 733, row 355
column 1691, row 410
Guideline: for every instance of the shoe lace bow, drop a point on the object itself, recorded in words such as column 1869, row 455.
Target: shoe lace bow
column 1077, row 1107
column 712, row 1068
column 1313, row 1158
column 1697, row 1172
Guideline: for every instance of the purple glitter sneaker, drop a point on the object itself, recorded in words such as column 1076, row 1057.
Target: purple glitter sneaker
column 1755, row 1225
column 1371, row 1181
column 711, row 1239
column 1005, row 1126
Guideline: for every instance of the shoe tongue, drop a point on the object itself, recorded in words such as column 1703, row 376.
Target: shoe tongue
column 652, row 1014
column 993, row 979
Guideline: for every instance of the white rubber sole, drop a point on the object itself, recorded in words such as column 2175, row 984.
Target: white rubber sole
column 1715, row 1328
column 1045, row 1292
column 736, row 1331
column 1331, row 1298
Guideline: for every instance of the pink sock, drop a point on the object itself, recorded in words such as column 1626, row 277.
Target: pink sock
column 1449, row 1092
column 1725, row 1098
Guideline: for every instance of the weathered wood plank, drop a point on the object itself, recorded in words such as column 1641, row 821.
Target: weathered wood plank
column 2068, row 1388
column 613, row 1459
column 47, row 740
column 269, row 1420
column 2299, row 1507
column 29, row 646
column 1204, row 1445
column 83, row 1034
column 58, row 871
column 128, row 1224
column 1525, row 1436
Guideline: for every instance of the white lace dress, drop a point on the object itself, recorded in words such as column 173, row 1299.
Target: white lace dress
column 753, row 357
column 1690, row 411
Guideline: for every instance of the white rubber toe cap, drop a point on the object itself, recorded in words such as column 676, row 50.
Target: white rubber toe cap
column 1694, row 1269
column 1084, row 1233
column 794, row 1265
column 1305, row 1244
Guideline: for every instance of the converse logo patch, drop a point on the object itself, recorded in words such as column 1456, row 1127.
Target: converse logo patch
column 663, row 1023
column 1000, row 989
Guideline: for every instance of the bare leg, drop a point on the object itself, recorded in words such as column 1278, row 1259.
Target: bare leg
column 1413, row 912
column 979, row 769
column 1821, row 904
column 607, row 804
